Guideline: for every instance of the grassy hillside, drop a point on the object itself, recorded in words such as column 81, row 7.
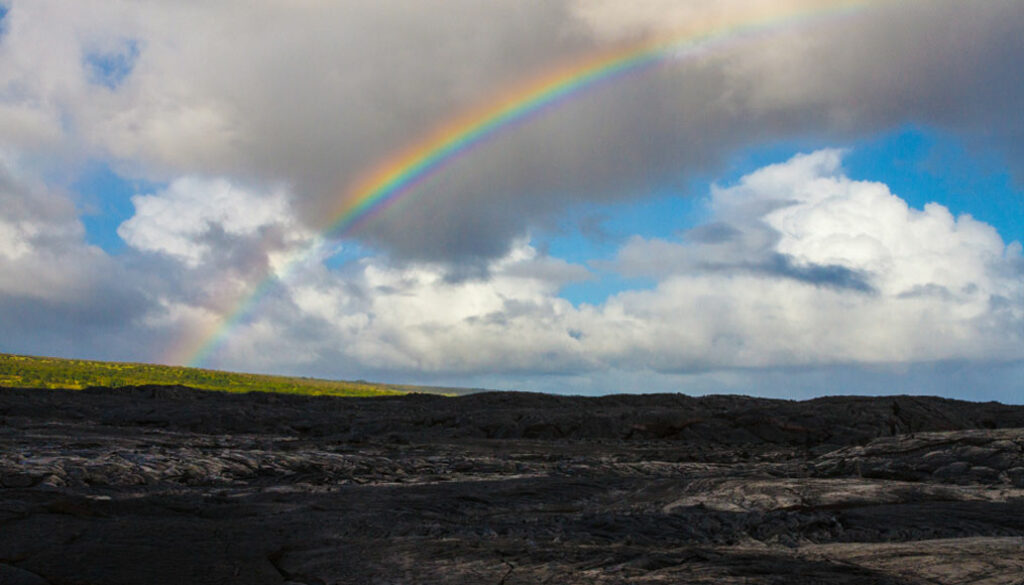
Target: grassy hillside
column 45, row 372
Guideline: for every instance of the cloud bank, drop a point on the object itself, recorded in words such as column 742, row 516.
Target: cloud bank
column 798, row 266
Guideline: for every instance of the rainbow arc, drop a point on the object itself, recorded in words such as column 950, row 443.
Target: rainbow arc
column 396, row 178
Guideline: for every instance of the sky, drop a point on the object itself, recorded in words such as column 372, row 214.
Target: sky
column 785, row 198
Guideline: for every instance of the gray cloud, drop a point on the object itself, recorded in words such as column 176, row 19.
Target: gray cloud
column 314, row 95
column 103, row 323
column 826, row 275
column 58, row 294
column 712, row 233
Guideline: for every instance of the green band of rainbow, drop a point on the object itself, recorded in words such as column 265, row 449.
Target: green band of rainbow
column 397, row 177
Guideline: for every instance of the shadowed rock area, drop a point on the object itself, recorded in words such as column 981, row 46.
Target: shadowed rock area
column 172, row 485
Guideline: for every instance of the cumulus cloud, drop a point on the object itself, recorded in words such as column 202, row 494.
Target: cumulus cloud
column 806, row 269
column 185, row 219
column 375, row 315
column 817, row 268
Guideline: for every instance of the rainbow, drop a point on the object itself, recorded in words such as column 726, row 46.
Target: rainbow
column 398, row 176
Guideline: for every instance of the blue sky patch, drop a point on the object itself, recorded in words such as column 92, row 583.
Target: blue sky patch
column 606, row 285
column 105, row 199
column 110, row 69
column 345, row 253
column 922, row 165
column 590, row 234
column 4, row 9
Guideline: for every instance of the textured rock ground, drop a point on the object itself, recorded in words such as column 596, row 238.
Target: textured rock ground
column 171, row 485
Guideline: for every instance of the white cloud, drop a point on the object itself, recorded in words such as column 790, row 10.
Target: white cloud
column 810, row 269
column 179, row 220
column 821, row 269
column 416, row 318
column 864, row 227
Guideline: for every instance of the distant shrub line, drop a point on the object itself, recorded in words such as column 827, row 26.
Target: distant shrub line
column 45, row 372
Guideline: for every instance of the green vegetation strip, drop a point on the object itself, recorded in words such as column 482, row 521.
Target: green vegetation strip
column 45, row 372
